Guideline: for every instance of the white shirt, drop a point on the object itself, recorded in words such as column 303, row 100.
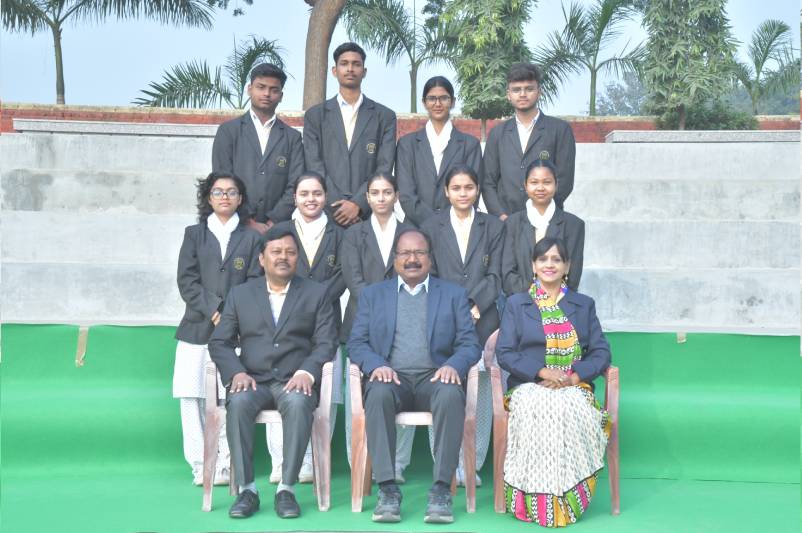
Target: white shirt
column 525, row 130
column 384, row 237
column 540, row 222
column 349, row 113
column 222, row 232
column 310, row 233
column 439, row 142
column 262, row 130
column 423, row 285
column 462, row 228
column 276, row 303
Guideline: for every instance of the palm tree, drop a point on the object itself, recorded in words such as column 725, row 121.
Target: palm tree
column 586, row 33
column 770, row 45
column 387, row 27
column 192, row 84
column 38, row 15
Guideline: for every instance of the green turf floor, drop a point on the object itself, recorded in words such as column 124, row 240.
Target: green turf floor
column 709, row 442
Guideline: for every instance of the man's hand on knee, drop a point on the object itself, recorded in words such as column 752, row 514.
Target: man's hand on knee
column 385, row 374
column 242, row 382
column 300, row 382
column 447, row 374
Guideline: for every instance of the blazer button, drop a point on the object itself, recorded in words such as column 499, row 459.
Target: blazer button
column 465, row 275
column 222, row 270
column 275, row 346
column 263, row 172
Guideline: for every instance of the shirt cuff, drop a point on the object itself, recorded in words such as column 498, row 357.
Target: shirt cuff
column 299, row 371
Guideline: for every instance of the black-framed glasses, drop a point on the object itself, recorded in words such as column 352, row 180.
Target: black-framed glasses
column 219, row 193
column 443, row 99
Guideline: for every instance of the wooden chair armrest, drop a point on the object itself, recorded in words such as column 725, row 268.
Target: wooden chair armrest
column 472, row 392
column 489, row 353
column 497, row 392
column 324, row 403
column 355, row 385
column 212, row 393
column 611, row 391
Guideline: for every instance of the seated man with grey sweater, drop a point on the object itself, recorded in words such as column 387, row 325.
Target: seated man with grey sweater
column 414, row 340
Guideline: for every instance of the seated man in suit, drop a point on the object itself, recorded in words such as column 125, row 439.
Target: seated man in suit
column 414, row 339
column 285, row 327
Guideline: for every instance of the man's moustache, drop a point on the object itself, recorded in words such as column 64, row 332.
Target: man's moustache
column 412, row 265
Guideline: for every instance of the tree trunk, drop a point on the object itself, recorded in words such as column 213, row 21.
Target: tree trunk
column 592, row 107
column 483, row 130
column 682, row 113
column 59, row 64
column 322, row 21
column 413, row 89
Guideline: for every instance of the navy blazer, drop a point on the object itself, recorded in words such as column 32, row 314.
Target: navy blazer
column 420, row 185
column 519, row 244
column 347, row 170
column 205, row 277
column 270, row 177
column 452, row 337
column 521, row 345
column 505, row 164
column 305, row 336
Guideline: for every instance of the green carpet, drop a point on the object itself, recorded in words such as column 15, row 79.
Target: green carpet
column 709, row 442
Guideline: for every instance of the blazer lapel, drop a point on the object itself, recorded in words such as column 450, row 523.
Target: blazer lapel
column 274, row 139
column 233, row 240
column 476, row 234
column 555, row 227
column 289, row 302
column 432, row 302
column 334, row 122
column 455, row 144
column 537, row 132
column 450, row 238
column 511, row 132
column 425, row 151
column 391, row 258
column 390, row 307
column 324, row 243
column 250, row 133
column 363, row 116
column 533, row 311
column 263, row 302
column 301, row 252
column 568, row 305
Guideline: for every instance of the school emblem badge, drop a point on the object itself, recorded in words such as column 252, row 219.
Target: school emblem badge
column 331, row 260
column 371, row 148
column 281, row 161
column 239, row 263
column 544, row 155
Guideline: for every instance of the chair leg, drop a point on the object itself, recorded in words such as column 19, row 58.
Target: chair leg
column 210, row 445
column 469, row 462
column 613, row 465
column 321, row 462
column 359, row 459
column 499, row 453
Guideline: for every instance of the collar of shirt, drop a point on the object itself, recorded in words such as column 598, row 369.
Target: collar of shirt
column 353, row 108
column 423, row 285
column 384, row 237
column 219, row 229
column 438, row 142
column 311, row 229
column 259, row 124
column 535, row 218
column 282, row 292
column 458, row 222
column 527, row 127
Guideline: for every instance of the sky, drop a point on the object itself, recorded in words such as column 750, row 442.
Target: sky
column 109, row 63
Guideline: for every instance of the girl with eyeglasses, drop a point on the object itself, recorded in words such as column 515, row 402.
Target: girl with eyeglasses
column 423, row 157
column 217, row 253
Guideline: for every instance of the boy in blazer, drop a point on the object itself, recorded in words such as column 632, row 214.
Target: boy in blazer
column 349, row 138
column 263, row 151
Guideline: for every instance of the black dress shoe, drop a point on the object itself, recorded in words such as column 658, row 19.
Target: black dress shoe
column 286, row 505
column 245, row 505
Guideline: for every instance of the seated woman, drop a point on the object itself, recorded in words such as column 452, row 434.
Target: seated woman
column 552, row 345
column 541, row 218
column 424, row 157
column 217, row 253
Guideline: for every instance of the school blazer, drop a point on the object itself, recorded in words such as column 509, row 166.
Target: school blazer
column 204, row 277
column 269, row 178
column 519, row 244
column 304, row 338
column 521, row 345
column 452, row 337
column 419, row 183
column 505, row 164
column 347, row 170
column 362, row 265
column 480, row 274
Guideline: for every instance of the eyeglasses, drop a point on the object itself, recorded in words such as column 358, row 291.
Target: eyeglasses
column 520, row 90
column 443, row 99
column 219, row 193
column 406, row 254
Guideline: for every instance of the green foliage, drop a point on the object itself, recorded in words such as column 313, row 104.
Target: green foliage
column 715, row 115
column 689, row 55
column 490, row 39
column 223, row 4
column 588, row 30
column 777, row 103
column 769, row 47
column 194, row 85
column 623, row 98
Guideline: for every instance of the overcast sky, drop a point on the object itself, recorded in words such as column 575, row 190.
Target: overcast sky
column 109, row 63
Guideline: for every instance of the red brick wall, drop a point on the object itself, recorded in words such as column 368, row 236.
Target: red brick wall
column 586, row 129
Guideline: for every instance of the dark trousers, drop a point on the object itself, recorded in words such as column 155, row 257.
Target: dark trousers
column 297, row 414
column 383, row 401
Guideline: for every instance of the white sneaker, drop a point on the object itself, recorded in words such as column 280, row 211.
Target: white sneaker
column 275, row 474
column 306, row 475
column 222, row 476
column 197, row 478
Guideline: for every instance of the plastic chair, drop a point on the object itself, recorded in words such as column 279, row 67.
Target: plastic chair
column 321, row 443
column 360, row 461
column 611, row 391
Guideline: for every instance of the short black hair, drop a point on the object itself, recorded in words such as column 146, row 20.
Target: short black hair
column 349, row 47
column 540, row 163
column 268, row 70
column 279, row 231
column 524, row 72
column 204, row 188
column 438, row 81
column 456, row 170
column 412, row 230
column 310, row 175
column 383, row 176
column 545, row 244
